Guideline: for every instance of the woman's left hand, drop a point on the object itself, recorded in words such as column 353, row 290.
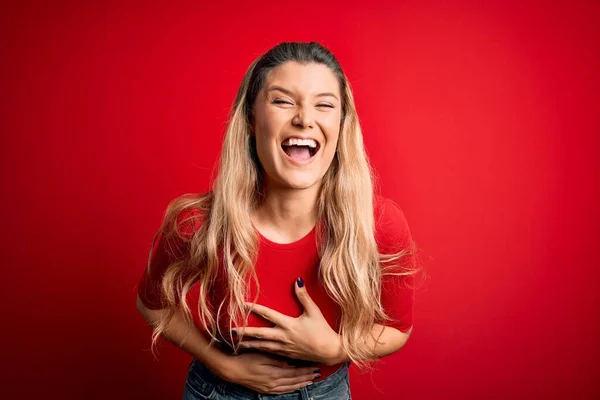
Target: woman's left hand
column 308, row 337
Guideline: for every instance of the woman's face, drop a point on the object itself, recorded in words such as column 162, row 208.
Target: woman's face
column 297, row 123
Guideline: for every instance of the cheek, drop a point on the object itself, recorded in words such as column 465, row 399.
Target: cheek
column 263, row 148
column 271, row 121
column 265, row 133
column 265, row 129
column 332, row 132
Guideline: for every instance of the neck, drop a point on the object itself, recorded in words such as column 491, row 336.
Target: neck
column 287, row 214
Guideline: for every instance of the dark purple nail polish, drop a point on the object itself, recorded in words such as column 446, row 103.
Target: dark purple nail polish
column 300, row 282
column 316, row 371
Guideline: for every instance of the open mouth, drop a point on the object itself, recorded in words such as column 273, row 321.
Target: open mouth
column 300, row 153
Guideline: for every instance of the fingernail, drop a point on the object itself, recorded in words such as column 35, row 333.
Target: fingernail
column 318, row 376
column 300, row 282
column 309, row 383
column 316, row 371
column 234, row 333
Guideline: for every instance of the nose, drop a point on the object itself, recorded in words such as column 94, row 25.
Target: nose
column 303, row 119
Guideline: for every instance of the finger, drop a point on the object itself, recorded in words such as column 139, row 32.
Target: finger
column 273, row 334
column 274, row 361
column 277, row 363
column 310, row 307
column 296, row 380
column 295, row 372
column 269, row 314
column 264, row 345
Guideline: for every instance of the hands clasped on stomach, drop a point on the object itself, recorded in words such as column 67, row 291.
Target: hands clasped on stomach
column 308, row 337
column 268, row 374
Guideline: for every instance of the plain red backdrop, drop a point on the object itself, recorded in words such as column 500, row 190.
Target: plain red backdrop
column 482, row 121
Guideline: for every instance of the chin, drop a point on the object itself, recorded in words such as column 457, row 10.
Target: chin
column 299, row 182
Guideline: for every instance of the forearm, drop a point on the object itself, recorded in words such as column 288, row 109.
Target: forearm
column 189, row 338
column 382, row 341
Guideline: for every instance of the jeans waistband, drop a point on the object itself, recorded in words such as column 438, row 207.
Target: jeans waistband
column 317, row 388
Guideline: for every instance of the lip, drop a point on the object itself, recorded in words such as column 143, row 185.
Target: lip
column 299, row 163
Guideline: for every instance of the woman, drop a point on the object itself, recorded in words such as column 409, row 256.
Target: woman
column 298, row 268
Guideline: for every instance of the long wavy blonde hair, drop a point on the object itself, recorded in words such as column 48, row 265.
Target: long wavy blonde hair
column 351, row 267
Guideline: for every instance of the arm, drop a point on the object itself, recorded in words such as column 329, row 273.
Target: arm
column 258, row 372
column 188, row 338
column 310, row 337
column 390, row 341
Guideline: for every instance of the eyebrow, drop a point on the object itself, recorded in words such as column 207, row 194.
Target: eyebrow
column 289, row 92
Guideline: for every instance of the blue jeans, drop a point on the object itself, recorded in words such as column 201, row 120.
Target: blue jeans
column 201, row 383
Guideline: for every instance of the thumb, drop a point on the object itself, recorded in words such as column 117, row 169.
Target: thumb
column 310, row 307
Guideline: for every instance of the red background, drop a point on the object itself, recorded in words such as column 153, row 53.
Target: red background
column 482, row 121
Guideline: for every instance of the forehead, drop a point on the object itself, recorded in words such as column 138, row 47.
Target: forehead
column 306, row 79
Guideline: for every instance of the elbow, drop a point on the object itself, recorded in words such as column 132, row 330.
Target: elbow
column 400, row 339
column 139, row 305
column 144, row 311
column 391, row 340
column 407, row 334
column 405, row 337
column 403, row 342
column 151, row 316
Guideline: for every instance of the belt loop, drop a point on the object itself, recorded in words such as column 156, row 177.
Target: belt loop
column 221, row 387
column 304, row 393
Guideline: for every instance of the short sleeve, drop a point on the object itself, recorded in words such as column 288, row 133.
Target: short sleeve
column 397, row 292
column 168, row 248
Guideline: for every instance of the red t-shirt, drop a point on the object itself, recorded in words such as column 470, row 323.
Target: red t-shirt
column 279, row 265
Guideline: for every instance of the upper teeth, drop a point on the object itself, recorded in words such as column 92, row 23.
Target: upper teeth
column 300, row 142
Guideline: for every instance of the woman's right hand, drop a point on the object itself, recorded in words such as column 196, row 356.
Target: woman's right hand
column 266, row 374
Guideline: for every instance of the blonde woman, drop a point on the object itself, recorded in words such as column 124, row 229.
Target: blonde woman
column 290, row 267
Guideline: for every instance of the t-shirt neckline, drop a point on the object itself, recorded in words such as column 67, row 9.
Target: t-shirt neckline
column 285, row 246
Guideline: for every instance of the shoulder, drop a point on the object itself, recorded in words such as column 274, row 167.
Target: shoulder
column 188, row 221
column 181, row 220
column 391, row 226
column 186, row 214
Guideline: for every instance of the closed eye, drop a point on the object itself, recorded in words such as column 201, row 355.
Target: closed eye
column 279, row 101
column 325, row 105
